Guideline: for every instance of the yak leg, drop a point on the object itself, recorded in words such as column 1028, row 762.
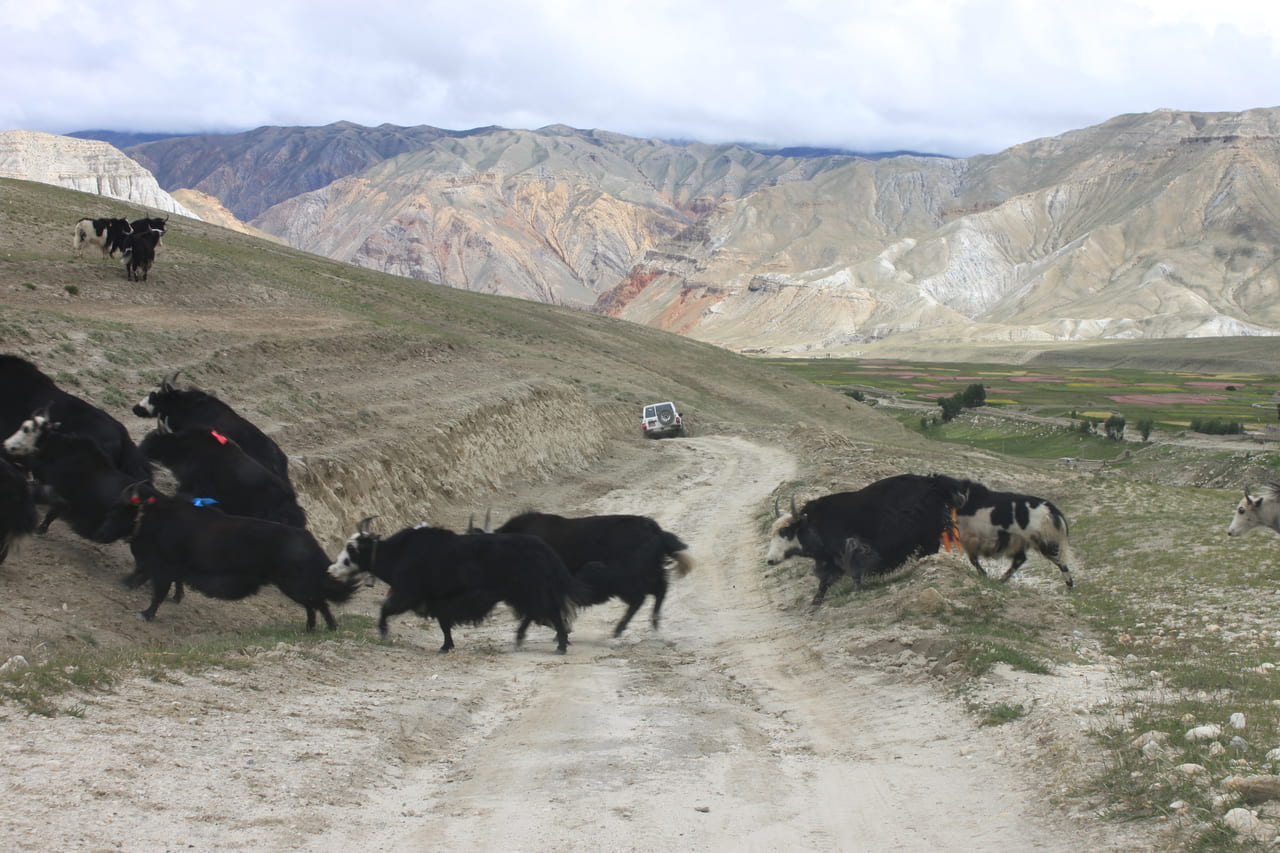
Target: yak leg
column 973, row 558
column 447, row 628
column 393, row 605
column 523, row 629
column 562, row 633
column 1053, row 553
column 330, row 623
column 49, row 517
column 1017, row 561
column 826, row 577
column 659, row 595
column 633, row 606
column 159, row 592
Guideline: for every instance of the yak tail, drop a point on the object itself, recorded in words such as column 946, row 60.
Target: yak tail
column 678, row 551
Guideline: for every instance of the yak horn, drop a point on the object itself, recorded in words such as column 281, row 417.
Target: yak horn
column 167, row 383
column 777, row 510
column 363, row 527
column 487, row 513
column 794, row 512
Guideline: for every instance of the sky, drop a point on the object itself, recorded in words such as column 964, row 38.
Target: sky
column 957, row 78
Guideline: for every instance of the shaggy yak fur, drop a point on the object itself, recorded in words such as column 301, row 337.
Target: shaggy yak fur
column 615, row 556
column 226, row 556
column 459, row 579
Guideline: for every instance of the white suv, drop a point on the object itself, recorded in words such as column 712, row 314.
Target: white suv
column 659, row 419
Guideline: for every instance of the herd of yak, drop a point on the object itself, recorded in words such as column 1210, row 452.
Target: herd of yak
column 136, row 241
column 231, row 523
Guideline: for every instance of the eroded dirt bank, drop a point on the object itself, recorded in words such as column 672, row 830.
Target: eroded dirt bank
column 733, row 727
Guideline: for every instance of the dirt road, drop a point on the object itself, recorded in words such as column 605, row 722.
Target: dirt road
column 729, row 729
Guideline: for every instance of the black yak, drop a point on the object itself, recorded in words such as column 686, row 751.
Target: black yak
column 459, row 579
column 226, row 556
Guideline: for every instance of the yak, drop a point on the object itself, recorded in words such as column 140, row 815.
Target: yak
column 615, row 556
column 207, row 464
column 24, row 390
column 190, row 408
column 871, row 531
column 17, row 506
column 226, row 556
column 79, row 482
column 1007, row 524
column 460, row 579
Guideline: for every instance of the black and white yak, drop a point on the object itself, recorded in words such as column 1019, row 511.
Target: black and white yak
column 1008, row 524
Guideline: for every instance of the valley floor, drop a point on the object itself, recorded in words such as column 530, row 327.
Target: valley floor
column 733, row 727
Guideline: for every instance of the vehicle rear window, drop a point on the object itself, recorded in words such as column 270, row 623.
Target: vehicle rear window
column 649, row 412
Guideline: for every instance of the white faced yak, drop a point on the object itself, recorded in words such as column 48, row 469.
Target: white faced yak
column 1262, row 511
column 868, row 532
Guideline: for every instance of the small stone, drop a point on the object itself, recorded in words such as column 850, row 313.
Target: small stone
column 1190, row 769
column 14, row 664
column 1148, row 737
column 1258, row 789
column 1199, row 733
column 1236, row 721
column 1244, row 822
column 931, row 601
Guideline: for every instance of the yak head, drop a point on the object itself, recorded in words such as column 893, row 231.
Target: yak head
column 26, row 440
column 154, row 404
column 1251, row 512
column 784, row 535
column 357, row 555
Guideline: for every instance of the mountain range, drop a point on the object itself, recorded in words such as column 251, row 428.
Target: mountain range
column 1162, row 224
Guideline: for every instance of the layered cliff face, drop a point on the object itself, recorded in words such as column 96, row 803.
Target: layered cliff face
column 557, row 216
column 85, row 165
column 1161, row 224
column 1148, row 226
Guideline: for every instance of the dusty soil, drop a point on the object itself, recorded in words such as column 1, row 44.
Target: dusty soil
column 736, row 725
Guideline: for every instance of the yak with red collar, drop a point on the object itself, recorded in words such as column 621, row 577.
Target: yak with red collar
column 868, row 532
column 208, row 464
column 175, row 541
column 192, row 409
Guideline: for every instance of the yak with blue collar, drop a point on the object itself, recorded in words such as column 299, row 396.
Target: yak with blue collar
column 226, row 556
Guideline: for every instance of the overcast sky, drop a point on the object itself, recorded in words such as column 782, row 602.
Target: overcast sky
column 961, row 77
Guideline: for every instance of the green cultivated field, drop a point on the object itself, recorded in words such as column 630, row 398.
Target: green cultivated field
column 1171, row 400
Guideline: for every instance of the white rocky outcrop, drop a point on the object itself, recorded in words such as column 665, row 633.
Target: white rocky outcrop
column 87, row 165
